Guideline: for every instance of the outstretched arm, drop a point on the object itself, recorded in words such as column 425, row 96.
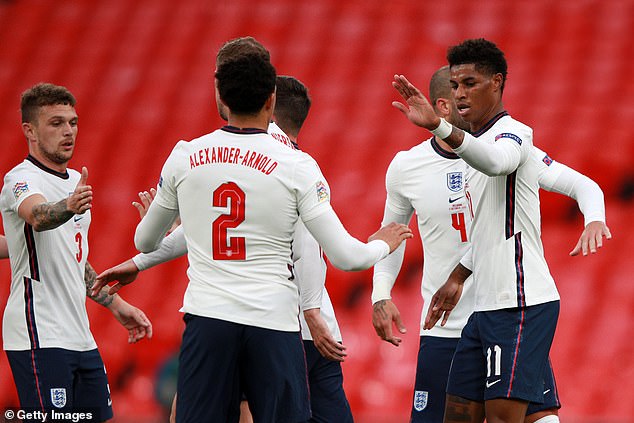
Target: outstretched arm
column 132, row 318
column 557, row 177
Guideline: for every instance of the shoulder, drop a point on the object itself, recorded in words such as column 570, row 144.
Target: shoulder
column 507, row 127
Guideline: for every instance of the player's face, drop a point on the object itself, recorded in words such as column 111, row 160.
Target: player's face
column 54, row 133
column 477, row 95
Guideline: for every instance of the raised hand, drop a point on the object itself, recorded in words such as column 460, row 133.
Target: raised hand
column 384, row 312
column 591, row 238
column 80, row 199
column 417, row 109
column 145, row 199
column 393, row 234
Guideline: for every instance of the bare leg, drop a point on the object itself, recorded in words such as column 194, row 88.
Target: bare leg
column 531, row 418
column 245, row 413
column 460, row 410
column 504, row 410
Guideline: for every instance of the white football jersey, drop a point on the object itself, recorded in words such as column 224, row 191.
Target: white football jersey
column 239, row 194
column 431, row 182
column 507, row 253
column 47, row 303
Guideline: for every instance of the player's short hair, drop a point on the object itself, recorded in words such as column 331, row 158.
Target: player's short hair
column 43, row 94
column 484, row 54
column 292, row 104
column 245, row 83
column 439, row 85
column 240, row 46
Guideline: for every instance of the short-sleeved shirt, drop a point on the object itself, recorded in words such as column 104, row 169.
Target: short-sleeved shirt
column 240, row 193
column 47, row 303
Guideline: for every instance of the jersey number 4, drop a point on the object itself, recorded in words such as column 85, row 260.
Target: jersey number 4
column 224, row 247
column 458, row 223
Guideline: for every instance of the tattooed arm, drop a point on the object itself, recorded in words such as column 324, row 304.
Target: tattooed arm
column 132, row 318
column 44, row 216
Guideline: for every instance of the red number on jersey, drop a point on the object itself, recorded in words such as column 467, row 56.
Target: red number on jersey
column 235, row 248
column 80, row 252
column 458, row 223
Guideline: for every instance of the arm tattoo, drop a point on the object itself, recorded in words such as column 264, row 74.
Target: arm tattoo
column 379, row 307
column 50, row 215
column 90, row 277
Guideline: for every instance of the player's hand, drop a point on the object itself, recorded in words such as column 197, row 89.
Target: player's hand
column 417, row 109
column 393, row 234
column 384, row 312
column 145, row 199
column 591, row 238
column 442, row 303
column 80, row 199
column 133, row 319
column 322, row 338
column 124, row 273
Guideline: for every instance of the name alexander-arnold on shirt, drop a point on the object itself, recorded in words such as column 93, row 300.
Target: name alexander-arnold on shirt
column 232, row 155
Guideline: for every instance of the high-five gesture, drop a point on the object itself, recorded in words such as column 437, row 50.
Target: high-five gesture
column 80, row 200
column 417, row 110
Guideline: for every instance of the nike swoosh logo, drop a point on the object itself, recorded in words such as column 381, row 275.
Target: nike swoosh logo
column 77, row 217
column 492, row 383
column 546, row 391
column 453, row 200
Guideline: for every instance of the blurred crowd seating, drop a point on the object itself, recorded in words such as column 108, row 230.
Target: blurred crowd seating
column 143, row 70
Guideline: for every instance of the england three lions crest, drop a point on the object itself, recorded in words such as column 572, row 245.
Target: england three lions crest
column 58, row 397
column 455, row 181
column 420, row 400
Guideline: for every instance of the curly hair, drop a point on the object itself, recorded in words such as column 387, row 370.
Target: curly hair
column 245, row 83
column 484, row 54
column 240, row 46
column 43, row 94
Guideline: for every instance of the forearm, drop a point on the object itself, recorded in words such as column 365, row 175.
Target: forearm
column 387, row 270
column 47, row 216
column 501, row 158
column 344, row 251
column 153, row 227
column 459, row 274
column 171, row 247
column 103, row 298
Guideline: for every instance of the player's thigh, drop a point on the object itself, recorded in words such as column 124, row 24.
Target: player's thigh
column 432, row 371
column 44, row 377
column 273, row 368
column 551, row 395
column 92, row 392
column 208, row 378
column 468, row 367
column 516, row 343
column 328, row 400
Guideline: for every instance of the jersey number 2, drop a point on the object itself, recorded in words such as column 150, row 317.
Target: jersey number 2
column 224, row 247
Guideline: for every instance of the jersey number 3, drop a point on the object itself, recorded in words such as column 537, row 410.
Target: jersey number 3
column 228, row 248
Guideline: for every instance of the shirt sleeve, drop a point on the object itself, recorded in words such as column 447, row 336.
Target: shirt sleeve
column 22, row 185
column 343, row 250
column 400, row 210
column 310, row 268
column 467, row 259
column 494, row 159
column 559, row 178
column 171, row 247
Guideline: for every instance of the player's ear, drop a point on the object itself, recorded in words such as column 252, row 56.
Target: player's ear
column 28, row 130
column 497, row 80
column 443, row 106
column 270, row 102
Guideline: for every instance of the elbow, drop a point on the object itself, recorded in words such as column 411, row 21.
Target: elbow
column 143, row 244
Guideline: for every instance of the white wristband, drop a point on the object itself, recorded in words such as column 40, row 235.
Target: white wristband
column 443, row 130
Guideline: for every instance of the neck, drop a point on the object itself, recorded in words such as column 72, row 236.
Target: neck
column 443, row 144
column 58, row 167
column 259, row 121
column 497, row 108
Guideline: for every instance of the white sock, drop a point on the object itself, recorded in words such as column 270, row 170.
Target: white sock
column 548, row 419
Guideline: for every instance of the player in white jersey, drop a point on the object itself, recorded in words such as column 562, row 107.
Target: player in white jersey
column 251, row 190
column 503, row 352
column 46, row 214
column 430, row 179
column 319, row 327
